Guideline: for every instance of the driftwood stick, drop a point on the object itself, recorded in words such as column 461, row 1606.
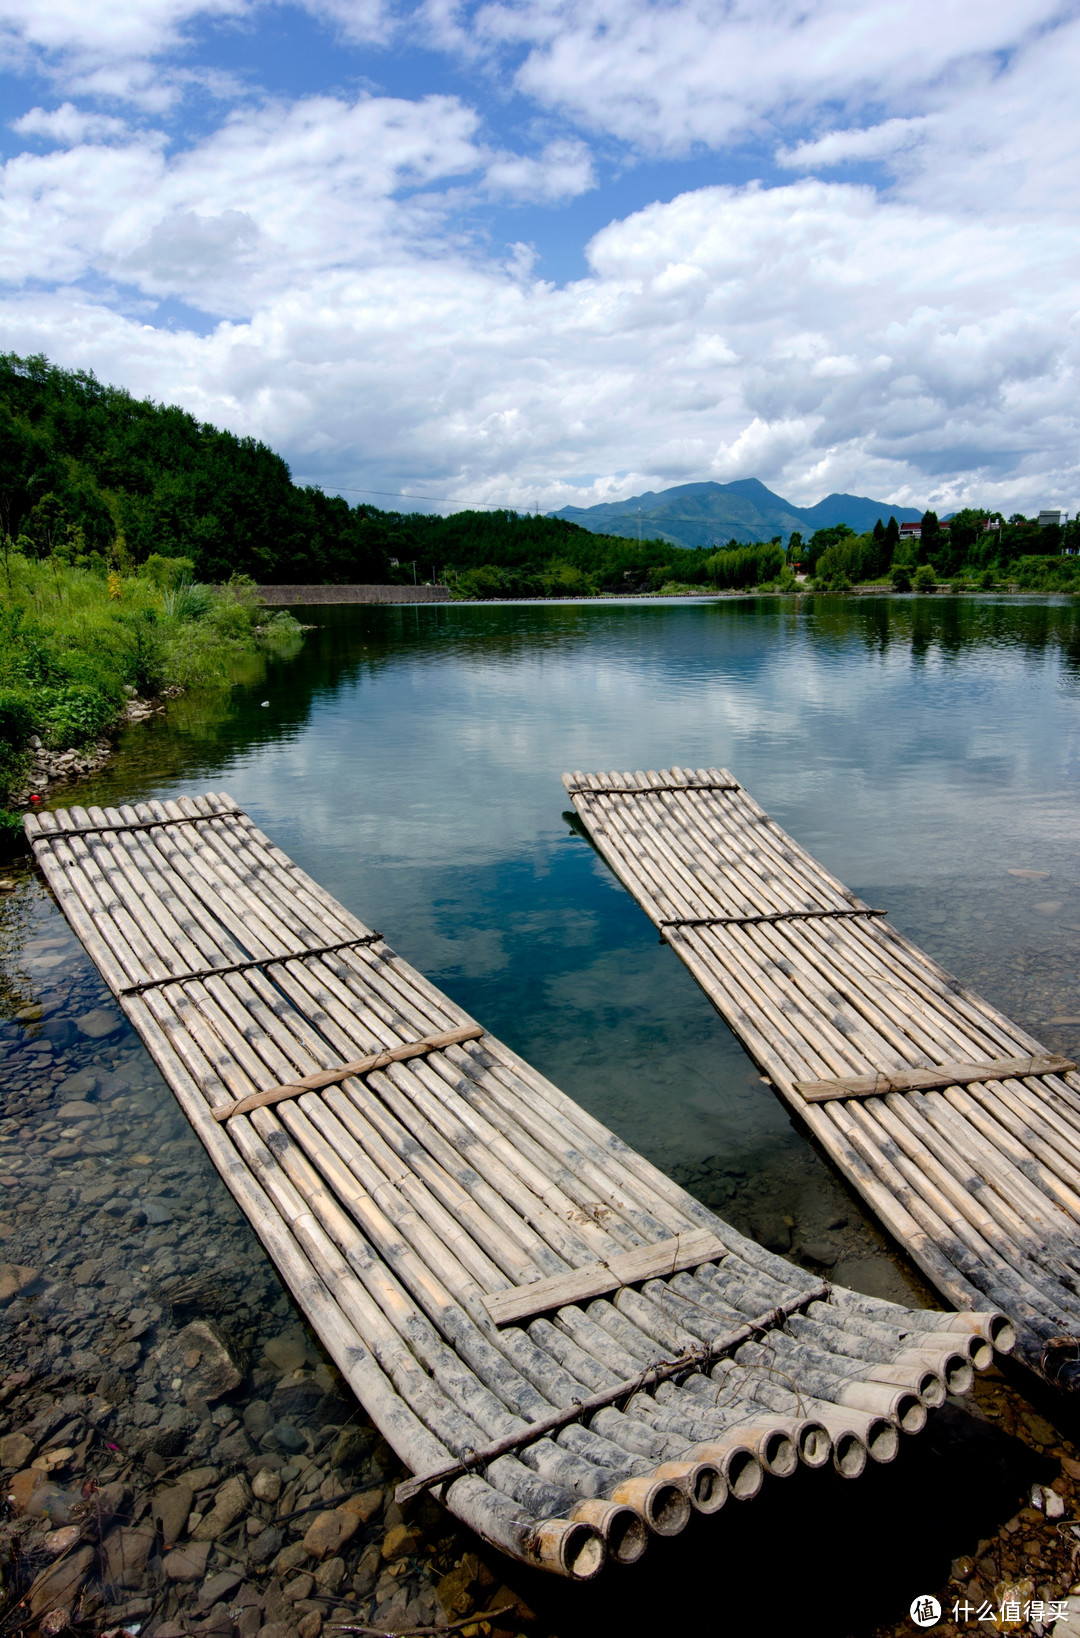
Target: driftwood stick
column 697, row 1359
column 343, row 1072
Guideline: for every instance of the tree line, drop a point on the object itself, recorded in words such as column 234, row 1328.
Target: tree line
column 94, row 478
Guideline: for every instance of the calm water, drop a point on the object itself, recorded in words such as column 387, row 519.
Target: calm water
column 410, row 759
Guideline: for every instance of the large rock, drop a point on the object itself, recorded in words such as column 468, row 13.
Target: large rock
column 83, row 1084
column 232, row 1501
column 266, row 1486
column 16, row 1450
column 400, row 1541
column 202, row 1358
column 126, row 1553
column 263, row 1546
column 288, row 1352
column 187, row 1563
column 99, row 1023
column 56, row 1587
column 171, row 1509
column 366, row 1505
column 218, row 1587
column 296, row 1401
column 14, row 1278
column 329, row 1531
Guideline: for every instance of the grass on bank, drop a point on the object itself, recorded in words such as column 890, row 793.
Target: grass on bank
column 76, row 643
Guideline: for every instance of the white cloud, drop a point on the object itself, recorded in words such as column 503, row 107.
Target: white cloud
column 854, row 146
column 664, row 74
column 68, row 125
column 917, row 341
column 563, row 170
column 812, row 335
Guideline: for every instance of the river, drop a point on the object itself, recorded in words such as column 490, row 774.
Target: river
column 926, row 750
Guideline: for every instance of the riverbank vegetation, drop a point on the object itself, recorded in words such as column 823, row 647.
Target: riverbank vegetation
column 94, row 479
column 77, row 644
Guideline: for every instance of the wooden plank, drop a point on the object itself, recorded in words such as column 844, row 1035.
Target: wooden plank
column 922, row 1080
column 343, row 1072
column 582, row 1284
column 697, row 1360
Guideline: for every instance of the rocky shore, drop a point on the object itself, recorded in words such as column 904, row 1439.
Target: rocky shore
column 177, row 1456
column 50, row 768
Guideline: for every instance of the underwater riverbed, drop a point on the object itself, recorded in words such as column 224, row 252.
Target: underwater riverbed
column 926, row 750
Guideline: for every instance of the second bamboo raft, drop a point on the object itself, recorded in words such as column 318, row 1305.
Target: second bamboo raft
column 961, row 1131
column 564, row 1345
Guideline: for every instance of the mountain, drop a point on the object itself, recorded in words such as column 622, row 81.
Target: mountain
column 707, row 514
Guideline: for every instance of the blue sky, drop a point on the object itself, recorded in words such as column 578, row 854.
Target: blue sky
column 538, row 251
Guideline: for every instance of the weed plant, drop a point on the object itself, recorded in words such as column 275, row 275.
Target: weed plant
column 76, row 643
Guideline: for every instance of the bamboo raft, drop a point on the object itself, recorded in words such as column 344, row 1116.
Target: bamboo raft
column 553, row 1336
column 961, row 1132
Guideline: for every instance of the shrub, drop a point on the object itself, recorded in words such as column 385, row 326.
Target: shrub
column 168, row 571
column 900, row 579
column 16, row 716
column 187, row 601
column 75, row 715
column 925, row 578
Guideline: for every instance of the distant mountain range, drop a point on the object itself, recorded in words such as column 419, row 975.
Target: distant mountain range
column 706, row 514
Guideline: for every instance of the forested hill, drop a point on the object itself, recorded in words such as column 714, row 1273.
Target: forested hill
column 98, row 479
column 704, row 514
column 89, row 471
column 102, row 478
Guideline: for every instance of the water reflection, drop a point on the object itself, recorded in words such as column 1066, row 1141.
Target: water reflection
column 410, row 759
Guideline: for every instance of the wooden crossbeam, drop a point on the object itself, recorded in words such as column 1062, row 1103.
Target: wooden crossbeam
column 644, row 790
column 768, row 915
column 923, row 1080
column 246, row 966
column 582, row 1284
column 343, row 1072
column 699, row 1359
column 136, row 824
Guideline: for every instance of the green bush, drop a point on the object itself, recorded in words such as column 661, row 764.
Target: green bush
column 1047, row 573
column 900, row 578
column 75, row 715
column 168, row 571
column 71, row 642
column 187, row 601
column 925, row 578
column 16, row 715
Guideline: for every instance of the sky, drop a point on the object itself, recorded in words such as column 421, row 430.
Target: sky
column 539, row 252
